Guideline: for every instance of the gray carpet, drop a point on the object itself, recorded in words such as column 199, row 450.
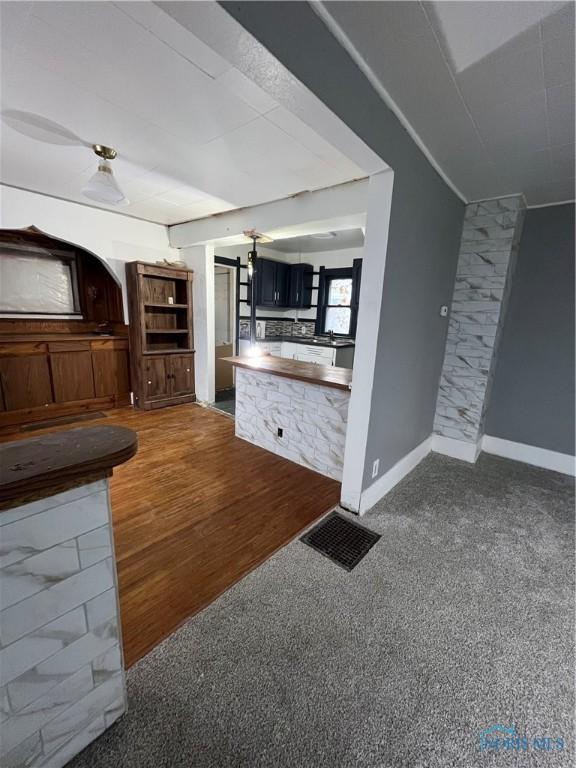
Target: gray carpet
column 460, row 617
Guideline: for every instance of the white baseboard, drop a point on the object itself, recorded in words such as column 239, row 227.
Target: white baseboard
column 384, row 484
column 529, row 454
column 457, row 449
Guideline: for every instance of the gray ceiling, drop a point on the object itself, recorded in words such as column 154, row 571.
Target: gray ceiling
column 345, row 238
column 488, row 87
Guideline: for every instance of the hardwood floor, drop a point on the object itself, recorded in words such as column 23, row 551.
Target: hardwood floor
column 194, row 511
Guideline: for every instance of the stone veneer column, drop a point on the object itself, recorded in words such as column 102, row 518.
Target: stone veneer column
column 486, row 264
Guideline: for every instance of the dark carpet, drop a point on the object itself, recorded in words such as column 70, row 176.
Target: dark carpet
column 461, row 617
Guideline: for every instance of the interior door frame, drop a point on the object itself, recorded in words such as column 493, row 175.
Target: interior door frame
column 223, row 261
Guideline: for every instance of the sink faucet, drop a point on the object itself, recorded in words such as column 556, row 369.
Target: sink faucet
column 331, row 335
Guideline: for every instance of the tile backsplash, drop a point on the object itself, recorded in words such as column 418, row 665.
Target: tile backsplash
column 280, row 327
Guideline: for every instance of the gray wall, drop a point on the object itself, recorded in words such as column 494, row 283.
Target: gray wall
column 533, row 394
column 425, row 227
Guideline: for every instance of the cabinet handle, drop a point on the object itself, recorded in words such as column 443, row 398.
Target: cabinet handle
column 149, row 382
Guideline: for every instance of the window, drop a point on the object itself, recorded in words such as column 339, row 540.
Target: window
column 338, row 305
column 338, row 300
column 37, row 283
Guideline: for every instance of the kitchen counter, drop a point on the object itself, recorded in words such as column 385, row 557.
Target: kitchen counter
column 309, row 340
column 295, row 409
column 62, row 649
column 323, row 375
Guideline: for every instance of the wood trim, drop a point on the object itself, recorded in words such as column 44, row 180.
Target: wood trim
column 40, row 463
column 9, row 420
column 312, row 373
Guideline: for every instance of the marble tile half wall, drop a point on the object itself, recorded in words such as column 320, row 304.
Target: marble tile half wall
column 61, row 667
column 313, row 419
column 484, row 274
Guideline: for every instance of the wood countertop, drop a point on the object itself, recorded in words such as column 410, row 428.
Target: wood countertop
column 324, row 375
column 6, row 338
column 41, row 466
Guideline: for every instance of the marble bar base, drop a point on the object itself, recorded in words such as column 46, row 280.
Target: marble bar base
column 61, row 666
column 313, row 419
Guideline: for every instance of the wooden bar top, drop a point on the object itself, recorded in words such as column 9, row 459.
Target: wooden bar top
column 324, row 375
column 42, row 466
column 6, row 338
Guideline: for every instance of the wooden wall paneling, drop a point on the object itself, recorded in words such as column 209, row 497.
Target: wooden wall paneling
column 111, row 376
column 25, row 381
column 72, row 375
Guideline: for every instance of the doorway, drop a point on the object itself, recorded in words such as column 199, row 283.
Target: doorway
column 225, row 332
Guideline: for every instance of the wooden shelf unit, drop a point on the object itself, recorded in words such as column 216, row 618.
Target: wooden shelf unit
column 161, row 334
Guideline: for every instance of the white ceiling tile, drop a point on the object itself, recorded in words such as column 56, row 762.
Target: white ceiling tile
column 471, row 31
column 512, row 116
column 528, row 169
column 531, row 139
column 559, row 21
column 245, row 89
column 551, row 192
column 182, row 196
column 13, row 21
column 558, row 59
column 563, row 160
column 97, row 27
column 164, row 27
column 561, row 114
column 501, row 78
column 297, row 128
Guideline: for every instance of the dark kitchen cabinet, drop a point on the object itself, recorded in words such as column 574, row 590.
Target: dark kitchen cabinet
column 272, row 283
column 300, row 288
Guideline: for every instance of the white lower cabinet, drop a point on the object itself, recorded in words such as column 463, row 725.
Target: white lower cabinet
column 304, row 352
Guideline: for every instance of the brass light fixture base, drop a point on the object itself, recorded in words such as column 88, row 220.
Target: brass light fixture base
column 106, row 152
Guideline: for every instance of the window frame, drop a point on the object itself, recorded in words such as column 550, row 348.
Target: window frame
column 325, row 276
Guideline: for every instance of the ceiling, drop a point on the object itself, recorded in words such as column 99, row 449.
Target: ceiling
column 486, row 87
column 318, row 243
column 194, row 135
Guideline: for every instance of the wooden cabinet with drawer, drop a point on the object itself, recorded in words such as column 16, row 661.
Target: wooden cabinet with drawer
column 42, row 380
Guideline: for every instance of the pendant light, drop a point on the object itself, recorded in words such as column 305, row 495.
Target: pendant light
column 103, row 187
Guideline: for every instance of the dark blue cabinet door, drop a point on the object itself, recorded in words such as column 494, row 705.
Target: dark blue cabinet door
column 266, row 285
column 300, row 292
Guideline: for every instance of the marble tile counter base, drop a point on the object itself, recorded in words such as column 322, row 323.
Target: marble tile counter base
column 313, row 419
column 61, row 668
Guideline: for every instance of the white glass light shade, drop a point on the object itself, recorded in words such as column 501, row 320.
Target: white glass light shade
column 103, row 187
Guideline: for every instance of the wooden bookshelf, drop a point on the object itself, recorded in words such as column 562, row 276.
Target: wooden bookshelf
column 161, row 334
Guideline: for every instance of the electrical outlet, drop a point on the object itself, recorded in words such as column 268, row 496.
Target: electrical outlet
column 443, row 311
column 280, row 432
column 375, row 467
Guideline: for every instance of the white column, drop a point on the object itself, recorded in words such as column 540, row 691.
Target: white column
column 373, row 266
column 200, row 258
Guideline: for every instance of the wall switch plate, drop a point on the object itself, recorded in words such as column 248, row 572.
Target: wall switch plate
column 375, row 467
column 443, row 311
column 280, row 432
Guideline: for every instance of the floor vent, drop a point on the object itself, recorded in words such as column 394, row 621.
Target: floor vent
column 341, row 540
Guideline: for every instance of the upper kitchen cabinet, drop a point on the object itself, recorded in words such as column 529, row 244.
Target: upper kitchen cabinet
column 272, row 283
column 283, row 285
column 300, row 290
